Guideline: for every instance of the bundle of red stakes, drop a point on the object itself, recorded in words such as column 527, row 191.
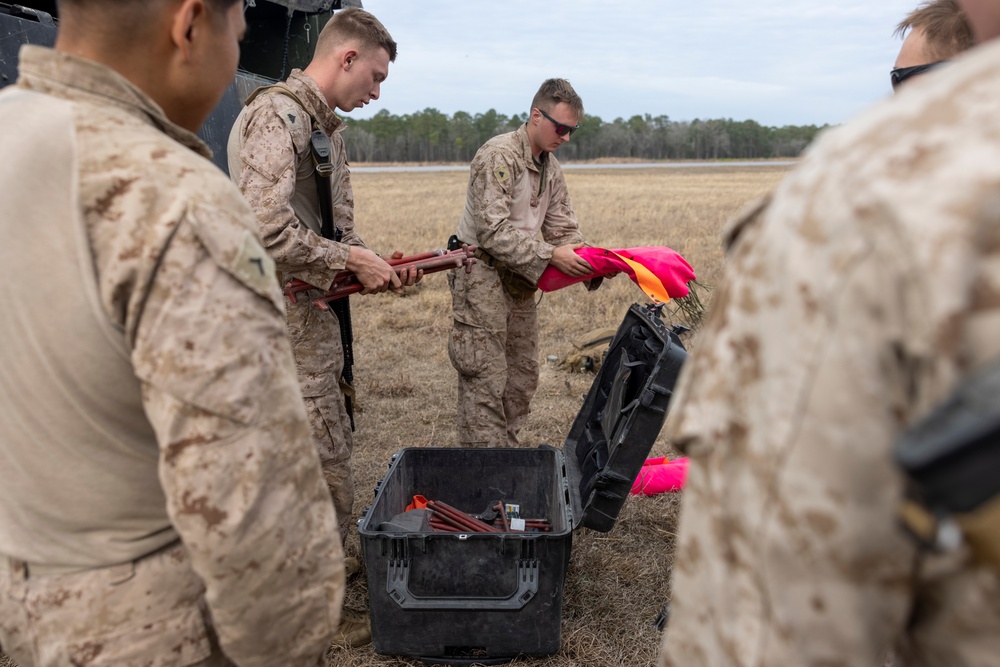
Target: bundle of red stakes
column 447, row 518
column 346, row 283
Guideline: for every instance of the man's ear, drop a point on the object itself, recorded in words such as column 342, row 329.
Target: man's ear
column 348, row 58
column 188, row 19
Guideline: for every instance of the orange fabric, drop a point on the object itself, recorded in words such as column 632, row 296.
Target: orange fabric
column 419, row 503
column 646, row 280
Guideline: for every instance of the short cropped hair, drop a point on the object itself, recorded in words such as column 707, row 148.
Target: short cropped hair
column 944, row 26
column 554, row 91
column 355, row 24
column 128, row 22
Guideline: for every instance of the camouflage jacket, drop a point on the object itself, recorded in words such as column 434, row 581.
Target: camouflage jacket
column 270, row 160
column 195, row 399
column 517, row 210
column 855, row 299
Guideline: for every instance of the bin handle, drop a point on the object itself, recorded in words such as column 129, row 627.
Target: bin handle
column 398, row 586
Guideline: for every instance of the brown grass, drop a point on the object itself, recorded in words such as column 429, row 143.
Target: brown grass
column 618, row 582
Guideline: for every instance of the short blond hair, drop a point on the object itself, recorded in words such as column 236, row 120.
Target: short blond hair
column 554, row 91
column 944, row 26
column 355, row 25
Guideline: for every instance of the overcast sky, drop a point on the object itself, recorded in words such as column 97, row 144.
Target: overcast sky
column 779, row 62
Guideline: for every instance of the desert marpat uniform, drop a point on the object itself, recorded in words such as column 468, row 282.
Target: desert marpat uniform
column 518, row 211
column 270, row 159
column 855, row 300
column 156, row 474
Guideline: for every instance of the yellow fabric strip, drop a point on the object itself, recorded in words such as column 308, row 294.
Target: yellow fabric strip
column 647, row 280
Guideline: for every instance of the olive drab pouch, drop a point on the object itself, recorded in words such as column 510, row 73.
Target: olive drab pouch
column 514, row 283
column 952, row 462
column 588, row 351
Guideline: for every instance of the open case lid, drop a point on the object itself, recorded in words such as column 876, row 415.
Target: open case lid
column 621, row 417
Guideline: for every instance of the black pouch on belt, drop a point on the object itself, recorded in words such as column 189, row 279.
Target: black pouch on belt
column 952, row 462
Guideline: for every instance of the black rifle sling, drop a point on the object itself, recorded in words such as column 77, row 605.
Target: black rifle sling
column 322, row 153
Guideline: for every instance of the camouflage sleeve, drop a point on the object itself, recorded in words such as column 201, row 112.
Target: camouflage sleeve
column 236, row 461
column 834, row 324
column 491, row 190
column 268, row 183
column 791, row 492
column 560, row 226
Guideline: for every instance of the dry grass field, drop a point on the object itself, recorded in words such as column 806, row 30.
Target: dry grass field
column 617, row 582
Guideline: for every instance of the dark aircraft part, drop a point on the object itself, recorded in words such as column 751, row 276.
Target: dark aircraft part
column 281, row 35
column 19, row 26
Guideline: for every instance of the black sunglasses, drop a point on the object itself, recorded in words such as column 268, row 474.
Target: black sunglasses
column 901, row 74
column 561, row 128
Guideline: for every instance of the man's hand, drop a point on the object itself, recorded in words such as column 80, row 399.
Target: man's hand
column 372, row 271
column 566, row 260
column 409, row 276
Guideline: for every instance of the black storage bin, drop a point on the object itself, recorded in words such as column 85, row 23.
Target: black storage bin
column 462, row 598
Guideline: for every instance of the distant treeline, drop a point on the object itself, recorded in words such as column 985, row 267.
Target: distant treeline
column 431, row 136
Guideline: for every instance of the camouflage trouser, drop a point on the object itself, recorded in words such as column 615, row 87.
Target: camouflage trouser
column 494, row 347
column 149, row 612
column 319, row 360
column 331, row 430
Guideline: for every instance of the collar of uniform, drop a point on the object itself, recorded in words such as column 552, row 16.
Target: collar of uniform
column 529, row 158
column 77, row 79
column 309, row 92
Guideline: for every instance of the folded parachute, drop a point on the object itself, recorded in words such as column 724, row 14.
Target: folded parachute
column 661, row 272
column 661, row 475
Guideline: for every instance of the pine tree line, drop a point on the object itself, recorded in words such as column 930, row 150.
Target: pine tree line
column 431, row 136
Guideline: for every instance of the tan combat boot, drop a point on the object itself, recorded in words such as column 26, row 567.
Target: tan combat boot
column 351, row 566
column 355, row 629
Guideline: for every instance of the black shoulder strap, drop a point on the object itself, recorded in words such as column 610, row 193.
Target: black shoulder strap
column 321, row 152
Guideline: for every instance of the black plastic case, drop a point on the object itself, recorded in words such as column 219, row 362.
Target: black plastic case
column 485, row 598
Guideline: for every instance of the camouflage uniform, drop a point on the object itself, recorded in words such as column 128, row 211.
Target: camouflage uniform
column 855, row 300
column 517, row 210
column 153, row 441
column 270, row 159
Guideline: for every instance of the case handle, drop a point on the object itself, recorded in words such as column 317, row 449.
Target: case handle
column 397, row 584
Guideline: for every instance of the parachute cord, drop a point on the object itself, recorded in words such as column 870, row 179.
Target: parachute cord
column 284, row 53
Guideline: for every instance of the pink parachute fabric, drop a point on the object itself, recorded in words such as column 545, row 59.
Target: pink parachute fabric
column 661, row 272
column 660, row 476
